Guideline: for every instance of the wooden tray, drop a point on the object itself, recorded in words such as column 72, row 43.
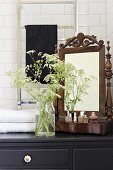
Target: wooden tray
column 90, row 128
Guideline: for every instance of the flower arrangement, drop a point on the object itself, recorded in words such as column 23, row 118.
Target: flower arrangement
column 58, row 70
column 60, row 73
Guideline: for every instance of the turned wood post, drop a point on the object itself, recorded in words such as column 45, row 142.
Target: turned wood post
column 108, row 75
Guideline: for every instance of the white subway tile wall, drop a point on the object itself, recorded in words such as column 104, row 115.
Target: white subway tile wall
column 2, row 94
column 103, row 20
column 1, row 21
column 10, row 93
column 83, row 8
column 1, row 46
column 60, row 14
column 92, row 19
column 97, row 8
column 69, row 9
column 11, row 45
column 109, row 17
column 8, row 23
column 52, row 9
column 42, row 19
column 2, row 69
column 30, row 10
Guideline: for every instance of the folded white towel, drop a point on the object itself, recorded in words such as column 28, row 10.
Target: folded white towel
column 10, row 115
column 17, row 127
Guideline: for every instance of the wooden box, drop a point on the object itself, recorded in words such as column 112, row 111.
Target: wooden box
column 85, row 128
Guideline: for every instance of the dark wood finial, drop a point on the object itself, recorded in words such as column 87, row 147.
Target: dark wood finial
column 108, row 47
column 108, row 75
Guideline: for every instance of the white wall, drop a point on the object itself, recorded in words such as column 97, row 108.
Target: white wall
column 91, row 20
column 110, row 22
column 61, row 14
column 110, row 30
column 92, row 17
column 7, row 51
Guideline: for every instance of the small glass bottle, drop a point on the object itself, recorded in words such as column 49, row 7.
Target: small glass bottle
column 68, row 118
column 85, row 119
column 93, row 118
column 81, row 117
column 75, row 117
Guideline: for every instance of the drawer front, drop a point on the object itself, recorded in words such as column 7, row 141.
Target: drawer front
column 33, row 169
column 39, row 158
column 93, row 159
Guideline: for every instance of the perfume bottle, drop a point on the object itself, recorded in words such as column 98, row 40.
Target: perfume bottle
column 75, row 117
column 93, row 118
column 85, row 119
column 81, row 117
column 68, row 118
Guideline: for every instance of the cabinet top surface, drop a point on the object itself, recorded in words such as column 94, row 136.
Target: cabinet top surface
column 59, row 137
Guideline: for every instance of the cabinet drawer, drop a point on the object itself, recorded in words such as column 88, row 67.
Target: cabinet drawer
column 34, row 169
column 43, row 158
column 93, row 159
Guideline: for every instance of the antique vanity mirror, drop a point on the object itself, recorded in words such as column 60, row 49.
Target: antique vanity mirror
column 86, row 53
column 90, row 58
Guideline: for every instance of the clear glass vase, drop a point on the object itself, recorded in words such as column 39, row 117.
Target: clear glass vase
column 45, row 121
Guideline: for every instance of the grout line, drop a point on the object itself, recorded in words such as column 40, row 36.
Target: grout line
column 46, row 2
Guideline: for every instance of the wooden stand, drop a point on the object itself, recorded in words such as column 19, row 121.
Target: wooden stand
column 108, row 76
column 100, row 127
column 90, row 128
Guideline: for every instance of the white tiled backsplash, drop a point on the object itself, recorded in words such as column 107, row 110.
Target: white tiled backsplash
column 109, row 24
column 7, row 51
column 94, row 17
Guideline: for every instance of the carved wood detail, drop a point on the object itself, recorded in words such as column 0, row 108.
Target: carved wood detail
column 81, row 40
column 108, row 75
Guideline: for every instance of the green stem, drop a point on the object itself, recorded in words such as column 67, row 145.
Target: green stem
column 44, row 123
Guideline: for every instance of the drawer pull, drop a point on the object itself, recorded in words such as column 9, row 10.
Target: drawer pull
column 27, row 158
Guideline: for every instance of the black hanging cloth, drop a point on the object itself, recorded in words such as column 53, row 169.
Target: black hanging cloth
column 41, row 38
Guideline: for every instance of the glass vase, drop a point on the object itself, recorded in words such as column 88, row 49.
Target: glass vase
column 45, row 121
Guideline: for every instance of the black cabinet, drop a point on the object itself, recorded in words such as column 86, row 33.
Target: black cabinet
column 93, row 159
column 61, row 152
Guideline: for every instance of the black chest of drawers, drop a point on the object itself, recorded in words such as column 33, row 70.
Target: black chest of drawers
column 61, row 152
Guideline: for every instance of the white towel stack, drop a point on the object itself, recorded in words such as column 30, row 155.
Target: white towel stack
column 17, row 120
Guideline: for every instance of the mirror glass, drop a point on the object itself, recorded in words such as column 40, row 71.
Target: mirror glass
column 89, row 62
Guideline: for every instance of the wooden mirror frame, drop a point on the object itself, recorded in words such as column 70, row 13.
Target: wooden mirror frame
column 82, row 44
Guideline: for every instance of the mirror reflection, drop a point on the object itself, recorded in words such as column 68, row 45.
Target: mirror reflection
column 89, row 62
